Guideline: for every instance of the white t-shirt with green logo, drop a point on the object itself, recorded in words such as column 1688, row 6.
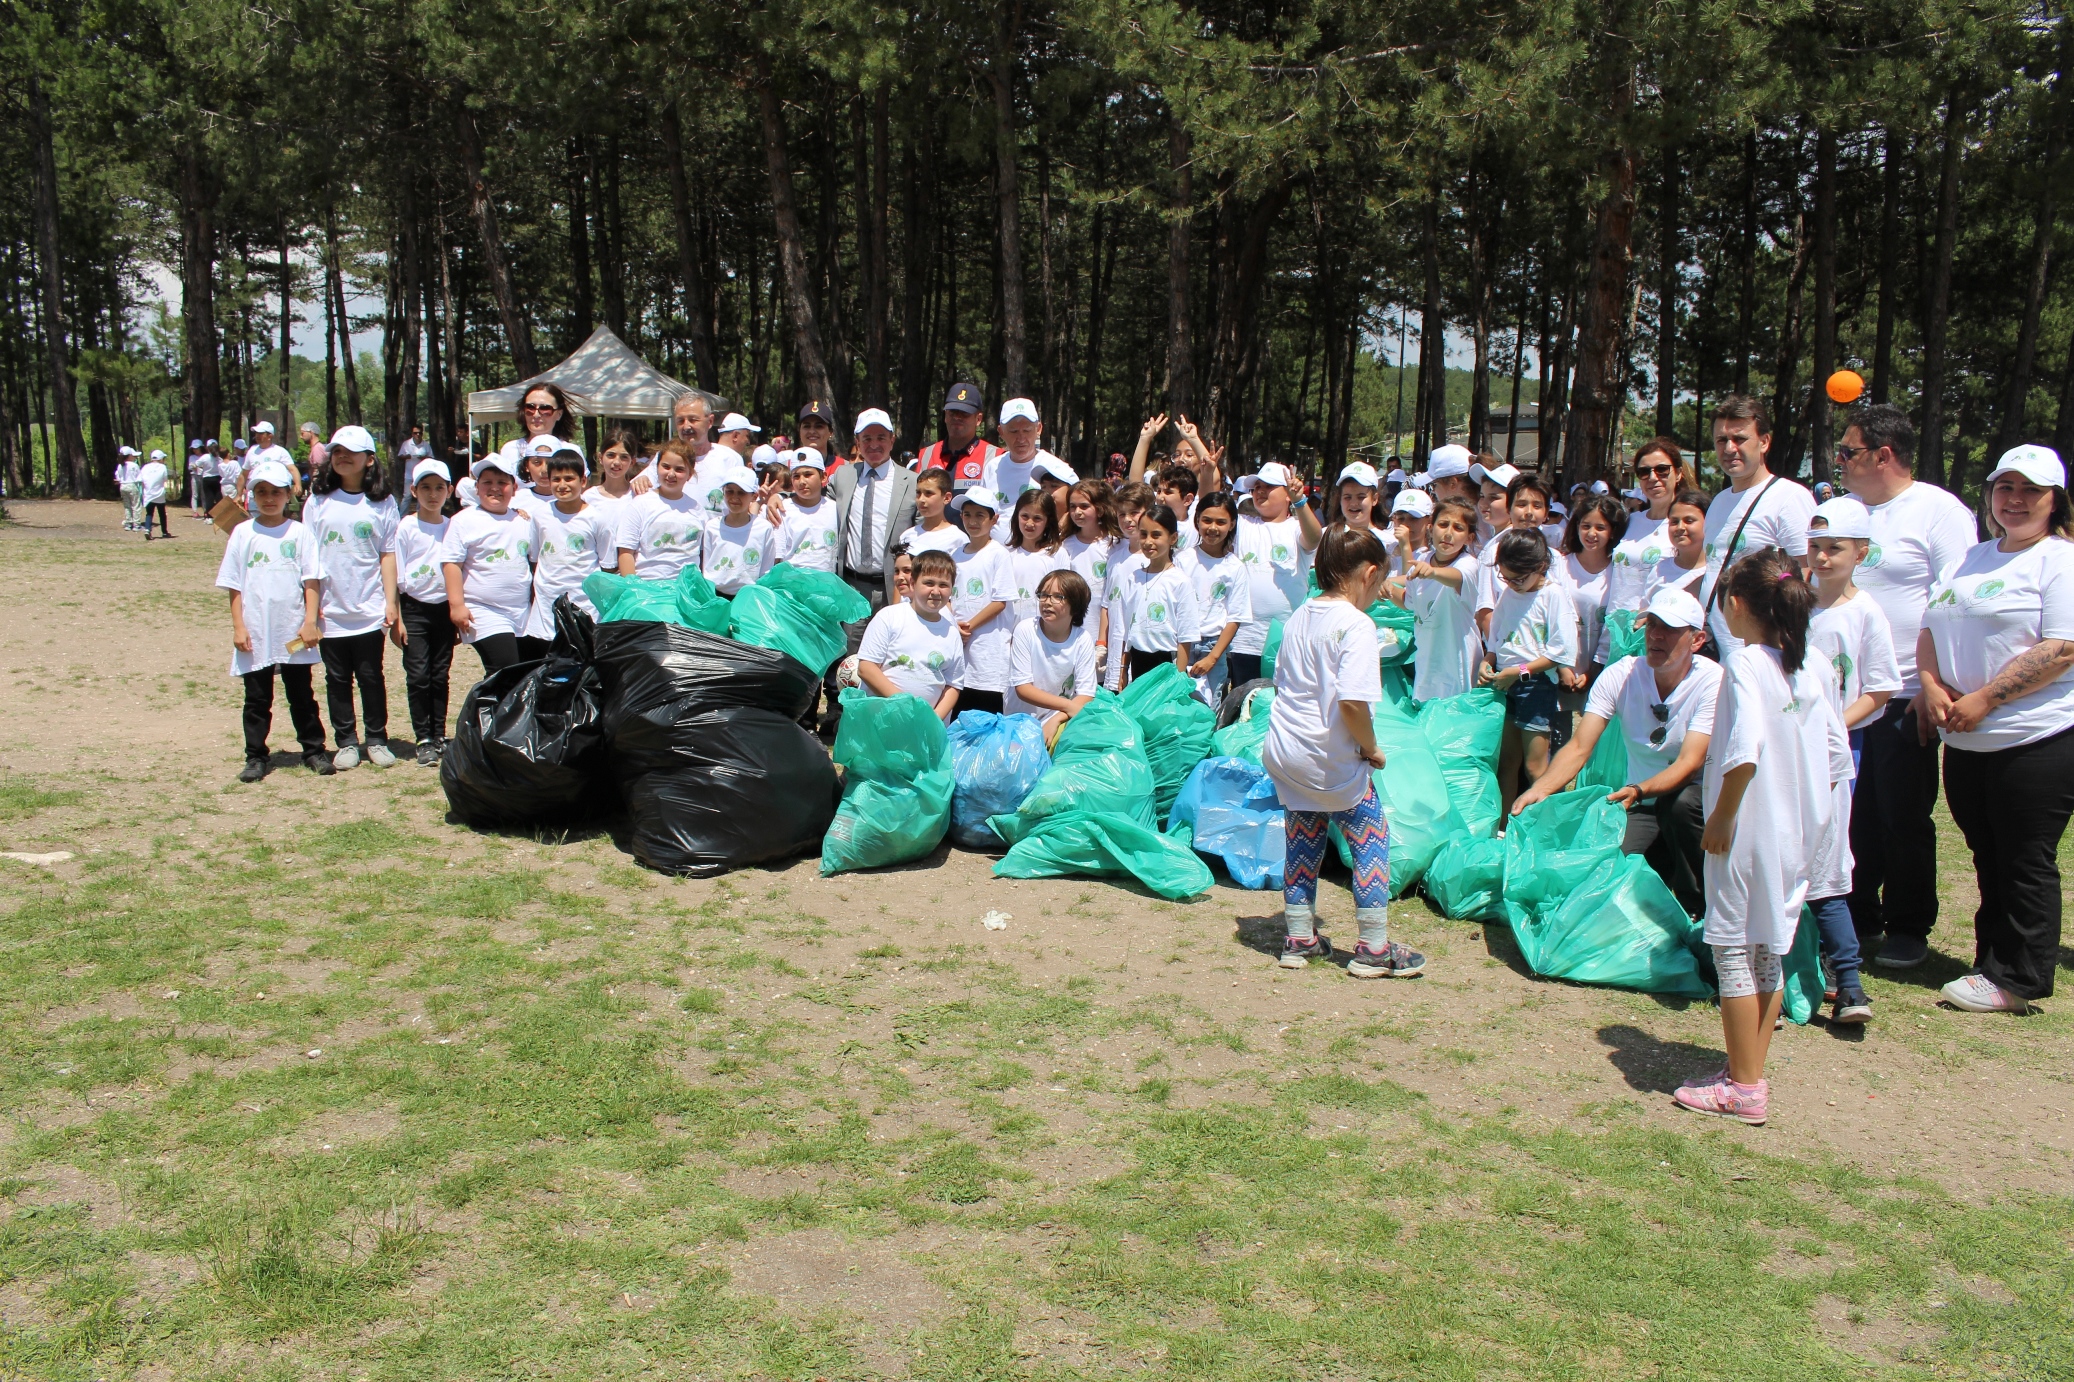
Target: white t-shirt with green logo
column 734, row 555
column 1854, row 640
column 1917, row 536
column 1778, row 519
column 1059, row 669
column 1529, row 624
column 418, row 570
column 1223, row 592
column 920, row 656
column 1988, row 609
column 495, row 553
column 1278, row 567
column 807, row 536
column 1028, row 569
column 663, row 534
column 269, row 566
column 572, row 546
column 985, row 576
column 1154, row 611
column 1634, row 561
column 352, row 533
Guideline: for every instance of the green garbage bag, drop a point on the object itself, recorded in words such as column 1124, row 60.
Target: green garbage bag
column 1619, row 927
column 1415, row 799
column 826, row 594
column 1464, row 733
column 1243, row 737
column 1554, row 846
column 1098, row 763
column 1271, row 648
column 799, row 613
column 1803, row 966
column 1606, row 771
column 1624, row 637
column 1176, row 729
column 688, row 599
column 1393, row 632
column 897, row 783
column 1466, row 880
column 1101, row 844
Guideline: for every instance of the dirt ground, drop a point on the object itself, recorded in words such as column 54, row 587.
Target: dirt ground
column 115, row 673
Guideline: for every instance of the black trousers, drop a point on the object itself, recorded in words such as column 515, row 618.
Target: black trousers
column 1894, row 843
column 1666, row 832
column 160, row 510
column 1241, row 667
column 1138, row 662
column 428, row 660
column 212, row 492
column 979, row 700
column 873, row 589
column 356, row 658
column 501, row 650
column 2012, row 806
column 302, row 708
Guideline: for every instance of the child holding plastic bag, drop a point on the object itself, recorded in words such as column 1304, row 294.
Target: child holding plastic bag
column 1052, row 671
column 913, row 648
column 1767, row 796
column 1848, row 632
column 1223, row 594
column 1152, row 604
column 1533, row 640
column 980, row 600
column 1321, row 751
column 1439, row 588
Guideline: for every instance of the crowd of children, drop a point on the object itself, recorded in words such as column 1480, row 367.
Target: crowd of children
column 1746, row 677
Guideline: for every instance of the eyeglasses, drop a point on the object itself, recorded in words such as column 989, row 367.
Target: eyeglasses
column 539, row 408
column 1845, row 453
column 1655, row 470
column 1663, row 725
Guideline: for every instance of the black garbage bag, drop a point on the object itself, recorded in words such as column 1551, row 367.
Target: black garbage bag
column 715, row 771
column 529, row 744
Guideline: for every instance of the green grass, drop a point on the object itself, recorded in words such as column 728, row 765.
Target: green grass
column 540, row 1184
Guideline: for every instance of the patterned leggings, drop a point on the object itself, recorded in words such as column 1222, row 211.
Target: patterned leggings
column 1368, row 839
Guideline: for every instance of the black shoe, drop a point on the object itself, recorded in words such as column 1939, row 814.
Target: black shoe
column 1852, row 1008
column 255, row 769
column 319, row 763
column 1902, row 952
column 428, row 754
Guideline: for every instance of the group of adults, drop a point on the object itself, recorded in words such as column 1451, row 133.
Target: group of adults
column 1983, row 635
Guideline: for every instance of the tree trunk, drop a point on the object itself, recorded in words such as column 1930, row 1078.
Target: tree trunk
column 914, row 276
column 345, row 335
column 878, row 265
column 1241, row 268
column 606, row 204
column 1519, row 365
column 580, row 242
column 1746, row 299
column 450, row 325
column 484, row 208
column 331, row 327
column 1890, row 270
column 1597, row 391
column 792, row 254
column 1432, row 414
column 71, row 453
column 392, row 338
column 1787, row 420
column 287, row 372
column 2018, row 396
column 1014, row 329
column 2063, row 425
column 412, row 325
column 1825, row 302
column 1930, row 441
column 702, row 356
column 1484, row 231
column 1180, row 213
column 1667, row 296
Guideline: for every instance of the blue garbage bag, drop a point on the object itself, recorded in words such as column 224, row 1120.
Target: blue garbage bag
column 1229, row 808
column 996, row 760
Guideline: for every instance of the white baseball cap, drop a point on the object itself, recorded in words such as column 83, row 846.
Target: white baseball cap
column 124, row 451
column 1051, row 465
column 351, row 438
column 540, row 447
column 1841, row 517
column 1413, row 503
column 985, row 498
column 272, row 473
column 806, row 456
column 1361, row 473
column 1273, row 473
column 765, row 454
column 494, row 461
column 260, row 426
column 1019, row 407
column 1396, row 475
column 1448, row 461
column 735, row 422
column 1501, row 475
column 1601, row 487
column 1633, row 494
column 874, row 417
column 1420, row 480
column 158, row 455
column 2040, row 465
column 194, row 446
column 1556, row 506
column 1677, row 608
column 742, row 478
column 430, row 467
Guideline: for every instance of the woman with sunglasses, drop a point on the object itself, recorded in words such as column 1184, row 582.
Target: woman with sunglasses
column 1665, row 704
column 1660, row 472
column 543, row 412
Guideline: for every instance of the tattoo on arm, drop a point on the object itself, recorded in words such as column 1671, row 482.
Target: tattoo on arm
column 2031, row 669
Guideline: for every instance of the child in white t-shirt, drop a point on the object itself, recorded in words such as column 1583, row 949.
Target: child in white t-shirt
column 660, row 533
column 933, row 532
column 353, row 522
column 270, row 569
column 913, row 648
column 1533, row 637
column 1223, row 595
column 1051, row 658
column 1152, row 602
column 1321, row 753
column 422, row 630
column 805, row 523
column 1849, row 632
column 1440, row 588
column 488, row 557
column 980, row 601
column 1771, row 767
column 736, row 549
column 1033, row 550
column 576, row 539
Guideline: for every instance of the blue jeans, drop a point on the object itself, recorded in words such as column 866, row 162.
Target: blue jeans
column 1839, row 938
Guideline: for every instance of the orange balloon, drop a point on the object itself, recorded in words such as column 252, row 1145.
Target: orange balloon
column 1844, row 386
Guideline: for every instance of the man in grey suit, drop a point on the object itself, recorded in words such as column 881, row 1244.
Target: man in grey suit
column 874, row 505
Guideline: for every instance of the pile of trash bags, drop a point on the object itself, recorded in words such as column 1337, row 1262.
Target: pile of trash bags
column 996, row 760
column 529, row 741
column 897, row 783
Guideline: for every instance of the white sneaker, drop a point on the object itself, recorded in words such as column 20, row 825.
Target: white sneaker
column 379, row 755
column 346, row 758
column 1976, row 993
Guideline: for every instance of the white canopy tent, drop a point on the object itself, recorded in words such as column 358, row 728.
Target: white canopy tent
column 602, row 379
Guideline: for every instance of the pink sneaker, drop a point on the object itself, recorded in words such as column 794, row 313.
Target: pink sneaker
column 1721, row 1097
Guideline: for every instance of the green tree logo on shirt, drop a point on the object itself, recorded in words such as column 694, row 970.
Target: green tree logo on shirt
column 1066, row 686
column 1843, row 669
column 576, row 542
column 975, row 586
column 1946, row 596
column 422, row 572
column 1101, row 571
column 259, row 558
column 1652, row 555
column 1156, row 612
column 364, row 531
column 332, row 535
column 1219, row 588
column 1282, row 554
column 1873, row 556
column 936, row 661
column 1988, row 590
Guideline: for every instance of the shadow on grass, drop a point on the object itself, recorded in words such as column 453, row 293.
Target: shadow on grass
column 1651, row 1064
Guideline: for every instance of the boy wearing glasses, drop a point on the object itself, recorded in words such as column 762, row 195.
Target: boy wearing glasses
column 1664, row 701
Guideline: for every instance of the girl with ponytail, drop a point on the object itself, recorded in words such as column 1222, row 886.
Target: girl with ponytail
column 1778, row 748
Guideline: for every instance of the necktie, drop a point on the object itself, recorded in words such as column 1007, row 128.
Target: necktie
column 860, row 525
